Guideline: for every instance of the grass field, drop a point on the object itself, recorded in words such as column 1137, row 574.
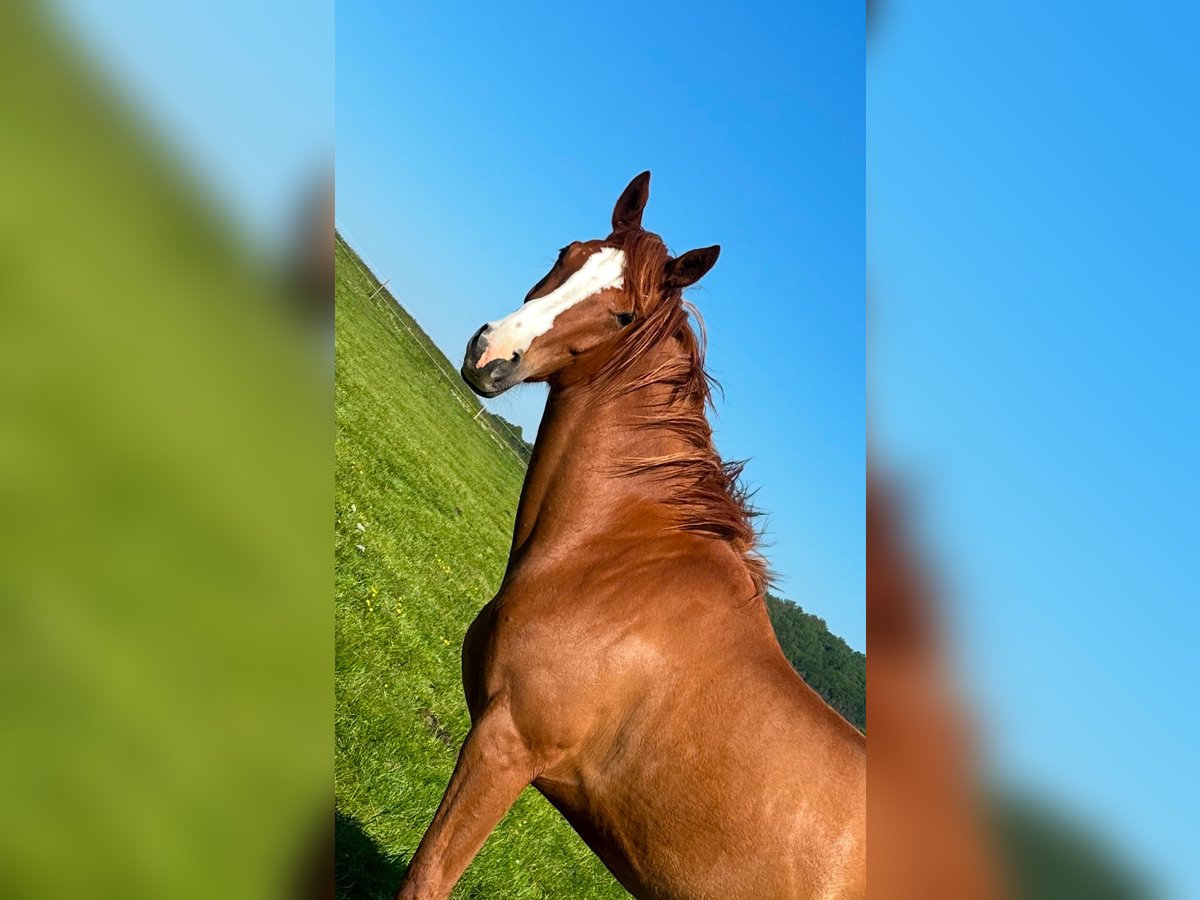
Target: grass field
column 424, row 502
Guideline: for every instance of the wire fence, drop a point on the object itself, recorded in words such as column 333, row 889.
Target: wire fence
column 439, row 361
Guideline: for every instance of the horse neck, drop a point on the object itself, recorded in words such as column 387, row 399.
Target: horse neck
column 576, row 485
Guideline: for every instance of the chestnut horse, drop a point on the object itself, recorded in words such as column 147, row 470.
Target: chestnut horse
column 627, row 668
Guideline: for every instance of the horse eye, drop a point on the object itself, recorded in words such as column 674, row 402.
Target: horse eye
column 624, row 319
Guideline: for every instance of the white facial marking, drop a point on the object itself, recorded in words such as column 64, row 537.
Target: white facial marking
column 515, row 332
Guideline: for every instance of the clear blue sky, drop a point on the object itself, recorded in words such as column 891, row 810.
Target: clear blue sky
column 1032, row 201
column 471, row 145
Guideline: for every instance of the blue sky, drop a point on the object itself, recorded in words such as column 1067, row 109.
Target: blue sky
column 1032, row 204
column 472, row 145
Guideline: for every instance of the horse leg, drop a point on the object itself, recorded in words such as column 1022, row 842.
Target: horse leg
column 493, row 768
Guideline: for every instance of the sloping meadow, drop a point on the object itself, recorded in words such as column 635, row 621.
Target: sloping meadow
column 424, row 502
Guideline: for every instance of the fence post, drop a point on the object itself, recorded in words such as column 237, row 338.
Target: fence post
column 382, row 285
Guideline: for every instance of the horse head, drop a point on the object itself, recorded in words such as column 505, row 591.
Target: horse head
column 595, row 297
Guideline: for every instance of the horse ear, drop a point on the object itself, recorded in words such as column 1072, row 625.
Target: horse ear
column 627, row 214
column 689, row 268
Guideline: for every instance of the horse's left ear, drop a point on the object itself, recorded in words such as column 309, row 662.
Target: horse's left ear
column 689, row 268
column 627, row 214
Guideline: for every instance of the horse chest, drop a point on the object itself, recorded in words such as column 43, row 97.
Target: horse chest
column 567, row 672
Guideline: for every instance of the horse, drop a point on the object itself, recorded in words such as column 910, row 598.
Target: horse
column 626, row 668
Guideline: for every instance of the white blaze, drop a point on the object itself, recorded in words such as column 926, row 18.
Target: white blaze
column 515, row 332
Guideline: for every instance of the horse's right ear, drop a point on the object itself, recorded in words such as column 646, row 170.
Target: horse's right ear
column 627, row 214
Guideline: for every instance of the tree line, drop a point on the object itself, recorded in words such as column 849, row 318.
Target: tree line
column 824, row 660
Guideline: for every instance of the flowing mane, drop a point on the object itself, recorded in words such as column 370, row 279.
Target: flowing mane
column 707, row 495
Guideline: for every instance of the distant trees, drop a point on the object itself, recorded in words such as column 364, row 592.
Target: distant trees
column 824, row 660
column 1049, row 856
column 510, row 434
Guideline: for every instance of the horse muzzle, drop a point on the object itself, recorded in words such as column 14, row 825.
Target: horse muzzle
column 486, row 373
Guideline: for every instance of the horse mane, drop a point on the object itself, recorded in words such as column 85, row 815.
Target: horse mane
column 707, row 496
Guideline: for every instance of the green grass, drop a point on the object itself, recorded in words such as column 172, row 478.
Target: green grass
column 424, row 503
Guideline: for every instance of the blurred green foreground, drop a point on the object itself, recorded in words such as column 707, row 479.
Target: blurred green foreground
column 165, row 487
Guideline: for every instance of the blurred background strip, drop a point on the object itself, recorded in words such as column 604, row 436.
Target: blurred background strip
column 1032, row 196
column 165, row 280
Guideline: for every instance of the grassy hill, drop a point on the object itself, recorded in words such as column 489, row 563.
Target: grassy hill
column 426, row 490
column 424, row 501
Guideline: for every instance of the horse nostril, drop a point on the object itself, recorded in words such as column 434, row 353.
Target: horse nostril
column 477, row 345
column 516, row 357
